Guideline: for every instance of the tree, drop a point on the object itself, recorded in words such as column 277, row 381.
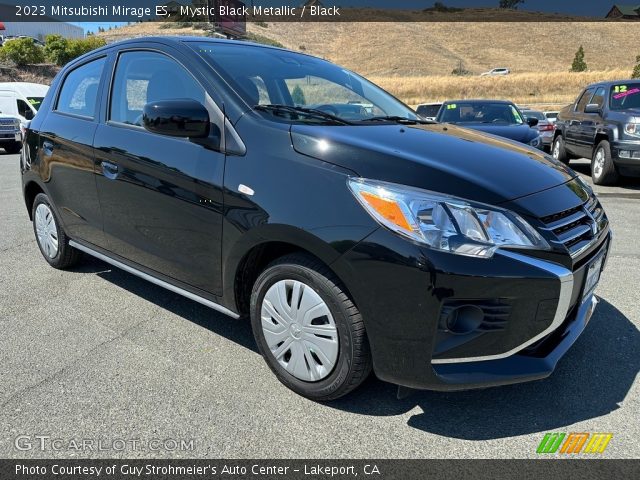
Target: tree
column 297, row 95
column 636, row 69
column 579, row 64
column 22, row 51
column 512, row 4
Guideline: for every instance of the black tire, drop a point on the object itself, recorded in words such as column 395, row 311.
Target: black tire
column 603, row 170
column 353, row 364
column 12, row 148
column 66, row 256
column 558, row 150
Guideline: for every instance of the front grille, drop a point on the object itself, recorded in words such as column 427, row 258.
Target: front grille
column 577, row 227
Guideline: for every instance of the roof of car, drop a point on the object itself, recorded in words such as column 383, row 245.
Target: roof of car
column 479, row 100
column 608, row 83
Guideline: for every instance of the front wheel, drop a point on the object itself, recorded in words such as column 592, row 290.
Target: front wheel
column 558, row 151
column 12, row 148
column 308, row 330
column 603, row 171
column 52, row 241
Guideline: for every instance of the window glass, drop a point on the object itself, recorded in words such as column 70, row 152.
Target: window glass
column 79, row 93
column 143, row 77
column 584, row 99
column 625, row 96
column 480, row 112
column 598, row 97
column 23, row 108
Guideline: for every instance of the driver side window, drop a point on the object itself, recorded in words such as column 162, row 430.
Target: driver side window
column 142, row 77
column 584, row 100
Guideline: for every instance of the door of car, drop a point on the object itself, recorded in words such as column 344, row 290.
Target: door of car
column 572, row 132
column 589, row 123
column 66, row 151
column 161, row 196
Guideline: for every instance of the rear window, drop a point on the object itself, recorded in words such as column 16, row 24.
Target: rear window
column 626, row 95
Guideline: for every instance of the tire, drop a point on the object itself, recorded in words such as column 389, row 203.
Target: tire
column 12, row 148
column 558, row 150
column 51, row 239
column 603, row 170
column 321, row 368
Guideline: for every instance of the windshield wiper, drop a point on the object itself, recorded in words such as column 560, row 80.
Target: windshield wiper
column 398, row 119
column 309, row 112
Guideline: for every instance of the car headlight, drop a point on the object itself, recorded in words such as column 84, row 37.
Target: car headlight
column 444, row 222
column 16, row 123
column 632, row 129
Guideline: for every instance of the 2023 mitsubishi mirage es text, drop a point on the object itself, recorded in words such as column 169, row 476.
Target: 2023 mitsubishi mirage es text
column 356, row 239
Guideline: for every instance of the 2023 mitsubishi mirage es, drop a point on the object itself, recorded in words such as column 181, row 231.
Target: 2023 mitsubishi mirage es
column 356, row 236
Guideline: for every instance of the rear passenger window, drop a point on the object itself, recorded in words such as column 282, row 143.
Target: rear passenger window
column 79, row 92
column 143, row 77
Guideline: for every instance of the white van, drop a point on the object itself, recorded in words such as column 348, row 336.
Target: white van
column 21, row 100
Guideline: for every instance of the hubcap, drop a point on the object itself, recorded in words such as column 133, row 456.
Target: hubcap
column 556, row 150
column 46, row 230
column 299, row 330
column 598, row 163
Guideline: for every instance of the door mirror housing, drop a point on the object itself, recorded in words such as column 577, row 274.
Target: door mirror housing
column 182, row 117
column 592, row 108
column 532, row 122
column 28, row 115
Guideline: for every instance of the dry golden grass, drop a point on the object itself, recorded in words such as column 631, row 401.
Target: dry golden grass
column 555, row 89
column 413, row 60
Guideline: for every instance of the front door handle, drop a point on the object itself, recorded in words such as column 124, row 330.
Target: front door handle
column 110, row 170
column 47, row 147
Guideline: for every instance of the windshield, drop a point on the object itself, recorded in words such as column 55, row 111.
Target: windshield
column 266, row 76
column 35, row 102
column 481, row 112
column 625, row 96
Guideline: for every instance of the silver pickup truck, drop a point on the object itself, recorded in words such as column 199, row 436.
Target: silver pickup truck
column 10, row 134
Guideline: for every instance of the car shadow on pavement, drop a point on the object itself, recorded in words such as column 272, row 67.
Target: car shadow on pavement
column 590, row 381
column 238, row 331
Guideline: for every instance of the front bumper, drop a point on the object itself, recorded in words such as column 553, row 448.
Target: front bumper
column 10, row 136
column 626, row 156
column 402, row 290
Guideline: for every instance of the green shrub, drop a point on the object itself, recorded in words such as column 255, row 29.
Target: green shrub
column 297, row 95
column 60, row 50
column 579, row 65
column 22, row 51
column 636, row 69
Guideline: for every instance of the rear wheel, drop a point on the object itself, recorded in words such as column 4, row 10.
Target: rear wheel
column 308, row 330
column 51, row 239
column 558, row 151
column 603, row 171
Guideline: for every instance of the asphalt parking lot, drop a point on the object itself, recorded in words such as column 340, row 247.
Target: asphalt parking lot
column 98, row 354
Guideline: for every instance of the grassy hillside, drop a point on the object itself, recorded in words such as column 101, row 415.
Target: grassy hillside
column 414, row 60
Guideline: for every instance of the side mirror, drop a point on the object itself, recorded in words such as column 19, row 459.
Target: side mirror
column 532, row 122
column 592, row 108
column 182, row 117
column 28, row 114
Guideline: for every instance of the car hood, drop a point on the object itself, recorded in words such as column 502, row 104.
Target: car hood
column 438, row 157
column 519, row 133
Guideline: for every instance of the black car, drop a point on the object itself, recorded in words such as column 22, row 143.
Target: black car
column 437, row 256
column 498, row 117
column 603, row 124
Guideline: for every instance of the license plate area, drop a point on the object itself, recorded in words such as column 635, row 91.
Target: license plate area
column 592, row 275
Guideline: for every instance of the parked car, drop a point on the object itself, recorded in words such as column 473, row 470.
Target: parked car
column 428, row 111
column 10, row 134
column 496, row 71
column 603, row 124
column 499, row 117
column 438, row 256
column 21, row 99
column 544, row 127
column 551, row 116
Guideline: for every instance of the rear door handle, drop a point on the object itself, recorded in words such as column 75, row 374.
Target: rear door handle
column 47, row 147
column 110, row 170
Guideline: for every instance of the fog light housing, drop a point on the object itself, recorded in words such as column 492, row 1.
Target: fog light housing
column 464, row 319
column 624, row 153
